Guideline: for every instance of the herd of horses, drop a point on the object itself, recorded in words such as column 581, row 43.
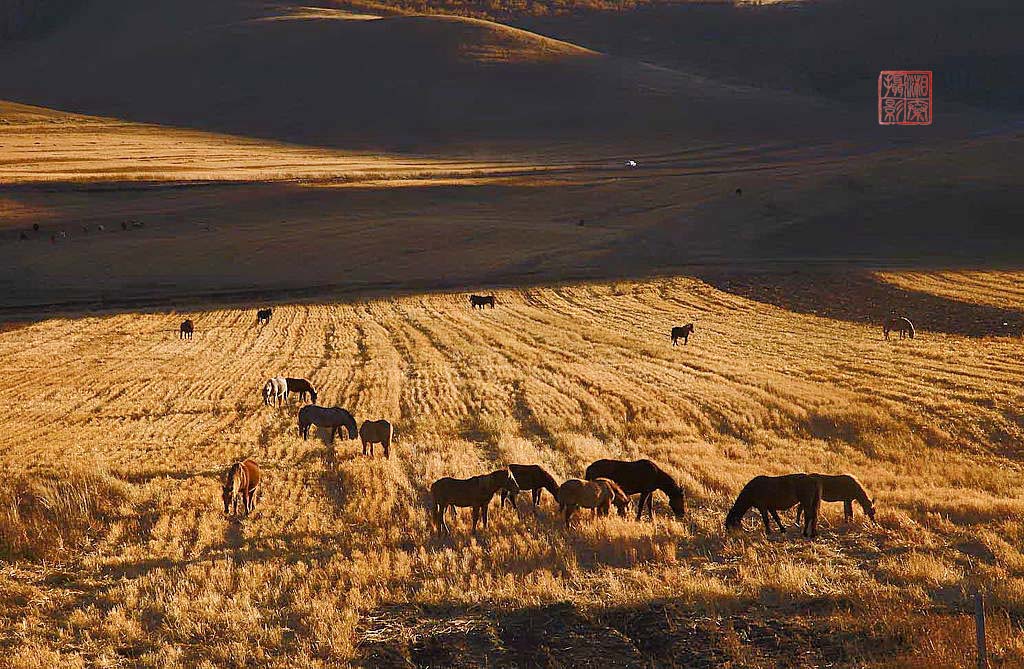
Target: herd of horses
column 605, row 483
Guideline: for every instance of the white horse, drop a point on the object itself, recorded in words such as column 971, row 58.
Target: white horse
column 275, row 391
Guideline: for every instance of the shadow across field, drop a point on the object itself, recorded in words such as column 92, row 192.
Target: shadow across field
column 860, row 297
column 662, row 633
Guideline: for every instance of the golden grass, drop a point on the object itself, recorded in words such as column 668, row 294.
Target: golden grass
column 342, row 550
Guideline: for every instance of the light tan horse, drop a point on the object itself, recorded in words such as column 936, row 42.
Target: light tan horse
column 843, row 488
column 901, row 325
column 376, row 432
column 576, row 494
column 241, row 484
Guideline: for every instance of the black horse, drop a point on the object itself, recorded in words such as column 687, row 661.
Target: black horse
column 186, row 329
column 683, row 333
column 481, row 301
column 263, row 316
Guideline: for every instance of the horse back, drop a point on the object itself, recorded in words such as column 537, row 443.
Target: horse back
column 252, row 474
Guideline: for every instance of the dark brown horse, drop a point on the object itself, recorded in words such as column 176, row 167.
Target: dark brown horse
column 476, row 492
column 901, row 325
column 843, row 488
column 771, row 494
column 186, row 329
column 241, row 484
column 302, row 387
column 263, row 316
column 640, row 476
column 532, row 478
column 481, row 301
column 683, row 333
column 333, row 418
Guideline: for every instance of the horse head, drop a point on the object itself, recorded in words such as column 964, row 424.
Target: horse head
column 678, row 505
column 869, row 509
column 312, row 396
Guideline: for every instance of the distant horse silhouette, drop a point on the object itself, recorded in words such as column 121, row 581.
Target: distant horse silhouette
column 186, row 329
column 900, row 324
column 843, row 488
column 683, row 333
column 376, row 432
column 263, row 316
column 334, row 418
column 241, row 484
column 481, row 301
column 302, row 387
column 476, row 492
column 771, row 494
column 640, row 476
column 532, row 478
column 576, row 494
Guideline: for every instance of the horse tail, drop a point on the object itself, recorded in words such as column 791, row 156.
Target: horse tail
column 912, row 330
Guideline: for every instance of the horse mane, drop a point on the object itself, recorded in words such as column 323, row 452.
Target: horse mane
column 233, row 479
column 666, row 483
column 860, row 492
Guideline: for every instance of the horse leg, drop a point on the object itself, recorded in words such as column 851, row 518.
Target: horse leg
column 775, row 515
column 799, row 511
column 387, row 448
column 650, row 505
column 483, row 513
column 848, row 510
column 764, row 517
column 569, row 509
column 640, row 507
column 476, row 517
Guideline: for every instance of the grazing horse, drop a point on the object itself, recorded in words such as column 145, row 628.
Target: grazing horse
column 579, row 494
column 186, row 329
column 618, row 497
column 241, row 484
column 263, row 316
column 302, row 387
column 771, row 494
column 333, row 417
column 532, row 478
column 900, row 324
column 640, row 476
column 843, row 488
column 376, row 432
column 275, row 391
column 683, row 333
column 481, row 301
column 476, row 492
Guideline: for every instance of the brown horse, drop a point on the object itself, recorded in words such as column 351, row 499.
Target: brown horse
column 683, row 333
column 901, row 325
column 576, row 494
column 476, row 492
column 481, row 301
column 640, row 476
column 618, row 498
column 532, row 478
column 186, row 329
column 241, row 484
column 843, row 488
column 771, row 494
column 376, row 432
column 302, row 387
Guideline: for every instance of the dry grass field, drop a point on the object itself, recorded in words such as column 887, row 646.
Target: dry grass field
column 115, row 434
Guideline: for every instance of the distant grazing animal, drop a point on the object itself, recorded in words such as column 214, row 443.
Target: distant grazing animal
column 619, row 498
column 532, row 478
column 901, row 324
column 771, row 494
column 640, row 476
column 333, row 417
column 630, row 164
column 124, row 225
column 481, row 301
column 186, row 329
column 739, row 191
column 275, row 391
column 376, row 432
column 263, row 316
column 302, row 387
column 575, row 494
column 476, row 492
column 843, row 488
column 241, row 484
column 35, row 227
column 100, row 228
column 683, row 333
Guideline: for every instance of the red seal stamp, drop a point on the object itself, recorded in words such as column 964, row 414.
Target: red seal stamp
column 905, row 97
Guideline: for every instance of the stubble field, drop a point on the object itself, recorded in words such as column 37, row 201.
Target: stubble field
column 115, row 435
